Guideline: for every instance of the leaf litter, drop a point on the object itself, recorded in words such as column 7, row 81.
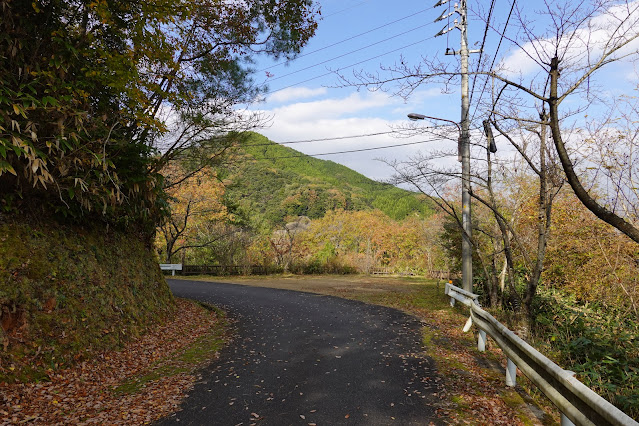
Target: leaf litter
column 91, row 392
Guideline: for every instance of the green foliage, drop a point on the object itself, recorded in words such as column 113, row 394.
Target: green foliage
column 599, row 343
column 70, row 92
column 85, row 86
column 66, row 292
column 275, row 182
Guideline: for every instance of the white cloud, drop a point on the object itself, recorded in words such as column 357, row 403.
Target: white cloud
column 354, row 114
column 519, row 62
column 294, row 93
column 330, row 107
column 582, row 46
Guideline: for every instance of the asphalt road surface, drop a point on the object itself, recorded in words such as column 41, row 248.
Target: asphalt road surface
column 306, row 359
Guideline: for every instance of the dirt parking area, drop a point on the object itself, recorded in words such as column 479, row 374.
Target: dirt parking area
column 340, row 285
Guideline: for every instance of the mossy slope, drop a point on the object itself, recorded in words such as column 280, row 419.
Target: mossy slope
column 67, row 292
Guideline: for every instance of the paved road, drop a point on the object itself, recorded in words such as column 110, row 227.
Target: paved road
column 303, row 359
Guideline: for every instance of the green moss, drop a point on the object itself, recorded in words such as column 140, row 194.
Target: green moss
column 461, row 411
column 512, row 399
column 427, row 336
column 66, row 292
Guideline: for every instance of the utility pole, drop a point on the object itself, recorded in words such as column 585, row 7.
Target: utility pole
column 464, row 138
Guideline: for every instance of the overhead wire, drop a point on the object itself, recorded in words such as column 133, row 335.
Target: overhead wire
column 481, row 49
column 492, row 64
column 324, row 139
column 503, row 33
column 351, row 150
column 349, row 53
column 348, row 8
column 349, row 66
column 336, row 137
column 342, row 41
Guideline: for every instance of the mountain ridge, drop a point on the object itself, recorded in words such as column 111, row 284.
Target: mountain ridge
column 278, row 182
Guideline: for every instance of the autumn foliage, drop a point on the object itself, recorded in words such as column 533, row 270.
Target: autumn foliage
column 196, row 208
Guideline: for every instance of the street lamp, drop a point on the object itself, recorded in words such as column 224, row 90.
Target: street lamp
column 463, row 150
column 415, row 117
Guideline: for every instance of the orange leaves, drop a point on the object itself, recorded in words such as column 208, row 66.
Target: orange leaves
column 85, row 393
column 363, row 239
column 196, row 206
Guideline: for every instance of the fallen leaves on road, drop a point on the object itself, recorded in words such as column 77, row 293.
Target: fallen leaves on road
column 475, row 390
column 84, row 394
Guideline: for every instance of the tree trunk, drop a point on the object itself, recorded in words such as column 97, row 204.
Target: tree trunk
column 544, row 210
column 591, row 204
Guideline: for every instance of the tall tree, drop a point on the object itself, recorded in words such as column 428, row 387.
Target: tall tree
column 561, row 49
column 197, row 210
column 90, row 91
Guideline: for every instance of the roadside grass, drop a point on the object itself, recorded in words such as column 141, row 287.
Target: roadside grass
column 201, row 351
column 475, row 386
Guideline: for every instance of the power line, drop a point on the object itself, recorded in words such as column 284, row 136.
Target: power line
column 351, row 150
column 349, row 66
column 348, row 8
column 481, row 49
column 324, row 139
column 492, row 64
column 334, row 138
column 503, row 33
column 349, row 53
column 342, row 41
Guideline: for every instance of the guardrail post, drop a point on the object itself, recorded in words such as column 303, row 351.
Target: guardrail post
column 511, row 373
column 481, row 341
column 565, row 421
column 452, row 302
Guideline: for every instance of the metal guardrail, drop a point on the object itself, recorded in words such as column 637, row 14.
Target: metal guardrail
column 216, row 270
column 221, row 270
column 578, row 403
column 171, row 267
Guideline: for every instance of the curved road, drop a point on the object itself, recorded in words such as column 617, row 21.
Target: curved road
column 306, row 359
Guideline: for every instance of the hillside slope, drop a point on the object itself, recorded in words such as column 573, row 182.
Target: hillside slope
column 275, row 181
column 68, row 291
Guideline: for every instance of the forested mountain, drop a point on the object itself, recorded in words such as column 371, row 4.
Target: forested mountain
column 272, row 206
column 274, row 181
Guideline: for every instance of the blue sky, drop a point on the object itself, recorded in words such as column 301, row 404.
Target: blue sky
column 304, row 102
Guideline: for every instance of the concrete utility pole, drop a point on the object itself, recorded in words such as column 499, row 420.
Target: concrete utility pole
column 464, row 138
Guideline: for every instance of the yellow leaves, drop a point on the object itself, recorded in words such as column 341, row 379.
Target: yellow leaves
column 42, row 179
column 196, row 205
column 19, row 110
column 81, row 183
column 6, row 167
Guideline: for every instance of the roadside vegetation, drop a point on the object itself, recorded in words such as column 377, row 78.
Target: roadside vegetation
column 67, row 293
column 589, row 268
column 96, row 100
column 120, row 142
